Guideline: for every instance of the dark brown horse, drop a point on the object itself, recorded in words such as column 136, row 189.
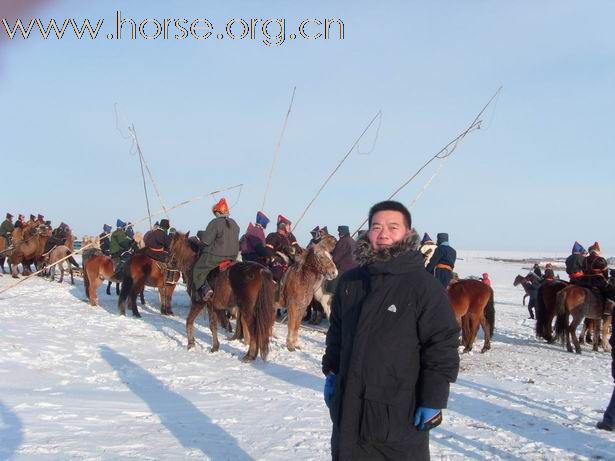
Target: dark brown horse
column 473, row 306
column 301, row 282
column 142, row 271
column 248, row 286
column 527, row 285
column 580, row 302
column 546, row 308
column 29, row 249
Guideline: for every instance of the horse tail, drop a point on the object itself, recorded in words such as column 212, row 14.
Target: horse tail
column 490, row 313
column 126, row 287
column 541, row 317
column 264, row 313
column 561, row 323
column 73, row 262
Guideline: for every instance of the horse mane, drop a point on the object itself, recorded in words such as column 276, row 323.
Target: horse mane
column 183, row 251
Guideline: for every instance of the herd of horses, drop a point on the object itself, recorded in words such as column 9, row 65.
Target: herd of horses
column 249, row 291
column 559, row 300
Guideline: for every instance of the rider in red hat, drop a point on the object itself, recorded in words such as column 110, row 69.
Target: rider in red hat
column 221, row 243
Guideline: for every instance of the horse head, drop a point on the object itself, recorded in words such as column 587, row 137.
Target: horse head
column 519, row 279
column 323, row 262
column 327, row 243
column 183, row 251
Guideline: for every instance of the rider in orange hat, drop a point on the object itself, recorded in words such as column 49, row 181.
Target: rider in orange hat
column 221, row 242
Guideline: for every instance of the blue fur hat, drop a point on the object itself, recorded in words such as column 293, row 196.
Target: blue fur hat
column 106, row 228
column 578, row 248
column 426, row 238
column 343, row 230
column 261, row 219
column 119, row 223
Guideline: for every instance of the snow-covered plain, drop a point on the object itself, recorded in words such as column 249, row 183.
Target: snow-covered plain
column 78, row 382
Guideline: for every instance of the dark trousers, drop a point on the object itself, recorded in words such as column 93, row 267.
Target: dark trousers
column 609, row 413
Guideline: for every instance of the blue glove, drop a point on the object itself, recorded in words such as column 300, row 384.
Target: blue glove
column 329, row 386
column 427, row 418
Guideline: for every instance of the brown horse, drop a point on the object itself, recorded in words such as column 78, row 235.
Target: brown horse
column 247, row 285
column 472, row 302
column 141, row 271
column 96, row 268
column 302, row 280
column 4, row 251
column 29, row 249
column 580, row 302
column 527, row 285
column 55, row 255
column 546, row 308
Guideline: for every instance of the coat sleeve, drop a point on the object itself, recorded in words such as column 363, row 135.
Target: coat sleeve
column 439, row 338
column 331, row 359
column 209, row 235
column 435, row 259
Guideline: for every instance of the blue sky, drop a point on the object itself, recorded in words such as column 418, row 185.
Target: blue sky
column 208, row 113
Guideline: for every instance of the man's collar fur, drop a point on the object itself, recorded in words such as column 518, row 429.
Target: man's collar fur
column 365, row 254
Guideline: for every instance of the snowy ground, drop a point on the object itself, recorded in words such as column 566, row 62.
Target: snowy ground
column 78, row 382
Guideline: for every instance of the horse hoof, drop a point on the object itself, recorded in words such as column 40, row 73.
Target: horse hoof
column 190, row 346
column 466, row 350
column 213, row 349
column 291, row 348
column 15, row 276
column 247, row 359
column 484, row 349
column 136, row 315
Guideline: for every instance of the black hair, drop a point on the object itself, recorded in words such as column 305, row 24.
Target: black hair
column 390, row 205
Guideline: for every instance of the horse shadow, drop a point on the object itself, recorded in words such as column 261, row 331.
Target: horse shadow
column 11, row 432
column 456, row 442
column 567, row 439
column 189, row 425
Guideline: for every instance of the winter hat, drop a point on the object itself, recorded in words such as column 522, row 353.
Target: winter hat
column 32, row 217
column 164, row 224
column 283, row 220
column 578, row 248
column 315, row 232
column 130, row 232
column 106, row 228
column 262, row 219
column 595, row 247
column 324, row 231
column 9, row 216
column 426, row 239
column 390, row 205
column 119, row 224
column 40, row 217
column 442, row 237
column 221, row 207
column 172, row 230
column 343, row 230
column 485, row 275
column 21, row 217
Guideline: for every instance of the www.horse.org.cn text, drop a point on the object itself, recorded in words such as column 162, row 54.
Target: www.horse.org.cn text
column 270, row 32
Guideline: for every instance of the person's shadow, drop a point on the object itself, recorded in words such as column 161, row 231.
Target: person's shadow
column 187, row 423
column 11, row 432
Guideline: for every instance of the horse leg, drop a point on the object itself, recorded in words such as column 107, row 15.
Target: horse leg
column 572, row 329
column 142, row 296
column 94, row 283
column 605, row 332
column 293, row 319
column 250, row 338
column 61, row 273
column 117, row 288
column 213, row 327
column 70, row 271
column 473, row 323
column 195, row 310
column 597, row 327
column 584, row 331
column 133, row 299
column 109, row 287
column 487, row 333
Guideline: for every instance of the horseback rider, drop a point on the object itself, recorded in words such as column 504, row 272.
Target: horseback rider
column 119, row 246
column 549, row 275
column 343, row 256
column 315, row 236
column 40, row 220
column 427, row 248
column 157, row 243
column 105, row 240
column 7, row 228
column 575, row 263
column 58, row 237
column 221, row 240
column 252, row 243
column 443, row 260
column 282, row 246
column 595, row 277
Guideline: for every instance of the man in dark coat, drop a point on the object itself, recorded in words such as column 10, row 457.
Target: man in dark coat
column 443, row 260
column 221, row 240
column 282, row 246
column 105, row 240
column 343, row 253
column 608, row 419
column 391, row 346
column 157, row 242
column 575, row 263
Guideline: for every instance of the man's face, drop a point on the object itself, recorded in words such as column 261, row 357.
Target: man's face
column 388, row 228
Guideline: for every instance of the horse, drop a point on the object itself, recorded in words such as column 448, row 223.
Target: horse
column 31, row 248
column 472, row 302
column 56, row 255
column 5, row 248
column 530, row 291
column 141, row 271
column 546, row 308
column 580, row 302
column 247, row 285
column 302, row 280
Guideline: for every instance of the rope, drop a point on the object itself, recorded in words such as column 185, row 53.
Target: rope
column 277, row 150
column 179, row 205
column 336, row 168
column 445, row 152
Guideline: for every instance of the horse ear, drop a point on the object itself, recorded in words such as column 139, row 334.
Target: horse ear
column 187, row 234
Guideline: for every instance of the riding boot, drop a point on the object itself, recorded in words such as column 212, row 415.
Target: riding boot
column 205, row 292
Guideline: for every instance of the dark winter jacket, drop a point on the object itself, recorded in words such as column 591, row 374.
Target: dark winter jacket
column 392, row 342
column 343, row 253
column 252, row 244
column 6, row 228
column 157, row 239
column 105, row 243
column 119, row 242
column 575, row 263
column 444, row 255
column 221, row 237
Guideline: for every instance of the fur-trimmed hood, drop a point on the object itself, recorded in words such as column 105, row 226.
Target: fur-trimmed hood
column 365, row 254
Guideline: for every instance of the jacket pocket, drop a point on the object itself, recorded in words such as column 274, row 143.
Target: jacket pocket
column 386, row 415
